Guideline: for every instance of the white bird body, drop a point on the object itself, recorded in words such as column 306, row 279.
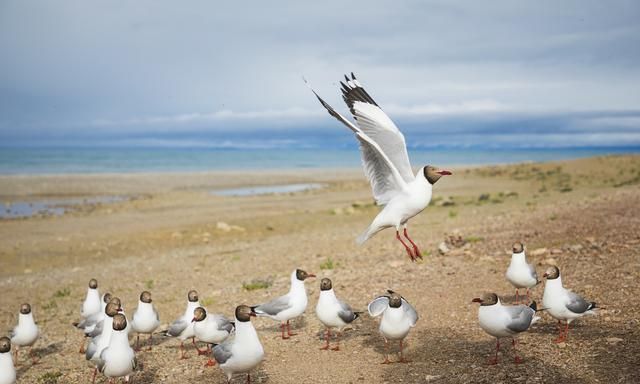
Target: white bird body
column 92, row 303
column 7, row 369
column 395, row 325
column 99, row 343
column 519, row 273
column 288, row 306
column 118, row 358
column 145, row 318
column 557, row 300
column 497, row 319
column 183, row 325
column 214, row 329
column 329, row 308
column 26, row 332
column 242, row 352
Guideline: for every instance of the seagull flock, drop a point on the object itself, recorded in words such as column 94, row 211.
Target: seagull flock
column 234, row 344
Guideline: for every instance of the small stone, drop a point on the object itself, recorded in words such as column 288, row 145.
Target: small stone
column 443, row 249
column 562, row 345
column 538, row 252
column 349, row 210
column 431, row 377
column 575, row 248
column 550, row 261
column 489, row 259
column 337, row 211
column 614, row 340
column 222, row 226
column 556, row 251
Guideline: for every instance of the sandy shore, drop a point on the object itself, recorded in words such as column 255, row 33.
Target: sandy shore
column 583, row 215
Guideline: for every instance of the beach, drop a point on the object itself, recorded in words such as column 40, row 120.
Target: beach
column 170, row 232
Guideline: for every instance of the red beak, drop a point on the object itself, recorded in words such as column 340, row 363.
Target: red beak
column 253, row 314
column 311, row 275
column 545, row 275
column 477, row 300
column 444, row 173
column 194, row 319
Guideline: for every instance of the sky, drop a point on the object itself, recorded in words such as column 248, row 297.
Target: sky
column 499, row 74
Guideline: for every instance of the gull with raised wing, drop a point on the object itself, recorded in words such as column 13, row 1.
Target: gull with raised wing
column 182, row 327
column 210, row 328
column 7, row 369
column 521, row 274
column 145, row 319
column 333, row 312
column 562, row 304
column 398, row 317
column 289, row 306
column 118, row 359
column 386, row 165
column 26, row 332
column 243, row 351
column 504, row 320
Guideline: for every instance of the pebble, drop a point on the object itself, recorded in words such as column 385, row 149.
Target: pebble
column 538, row 252
column 614, row 340
column 443, row 249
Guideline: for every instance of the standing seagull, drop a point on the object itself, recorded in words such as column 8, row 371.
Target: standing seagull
column 92, row 303
column 210, row 328
column 333, row 312
column 504, row 320
column 100, row 342
column 7, row 370
column 242, row 352
column 386, row 165
column 26, row 332
column 182, row 327
column 145, row 319
column 289, row 306
column 118, row 359
column 398, row 317
column 562, row 304
column 520, row 274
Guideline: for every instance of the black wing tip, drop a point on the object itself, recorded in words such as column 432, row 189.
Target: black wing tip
column 353, row 77
column 534, row 306
column 592, row 305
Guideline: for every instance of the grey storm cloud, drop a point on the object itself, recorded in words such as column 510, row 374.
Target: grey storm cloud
column 448, row 72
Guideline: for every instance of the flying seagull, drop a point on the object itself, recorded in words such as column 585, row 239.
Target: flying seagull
column 386, row 164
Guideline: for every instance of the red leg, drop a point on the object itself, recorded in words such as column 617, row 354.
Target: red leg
column 150, row 342
column 183, row 355
column 16, row 356
column 337, row 347
column 137, row 346
column 528, row 296
column 282, row 328
column 517, row 359
column 416, row 251
column 210, row 363
column 409, row 251
column 326, row 338
column 95, row 373
column 81, row 346
column 402, row 359
column 494, row 360
column 200, row 352
column 289, row 329
column 561, row 335
column 386, row 353
column 34, row 361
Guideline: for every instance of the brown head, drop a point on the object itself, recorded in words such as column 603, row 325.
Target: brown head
column 325, row 284
column 25, row 309
column 302, row 275
column 112, row 309
column 395, row 300
column 244, row 313
column 145, row 297
column 199, row 314
column 119, row 322
column 106, row 298
column 5, row 344
column 487, row 299
column 116, row 301
column 552, row 273
column 192, row 296
column 518, row 247
column 93, row 283
column 433, row 174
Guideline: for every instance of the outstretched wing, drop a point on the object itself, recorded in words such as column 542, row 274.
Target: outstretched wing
column 383, row 176
column 372, row 120
column 410, row 312
column 378, row 305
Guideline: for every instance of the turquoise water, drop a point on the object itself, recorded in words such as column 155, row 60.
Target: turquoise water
column 266, row 189
column 38, row 161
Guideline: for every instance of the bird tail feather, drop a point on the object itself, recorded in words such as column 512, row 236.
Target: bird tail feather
column 366, row 235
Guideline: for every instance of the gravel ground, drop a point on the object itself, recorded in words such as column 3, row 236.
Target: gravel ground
column 583, row 216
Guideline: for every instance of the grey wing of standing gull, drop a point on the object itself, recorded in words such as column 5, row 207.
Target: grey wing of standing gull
column 410, row 311
column 577, row 304
column 223, row 324
column 96, row 331
column 155, row 312
column 378, row 305
column 274, row 306
column 100, row 364
column 222, row 352
column 346, row 313
column 91, row 349
column 534, row 274
column 521, row 317
column 177, row 327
